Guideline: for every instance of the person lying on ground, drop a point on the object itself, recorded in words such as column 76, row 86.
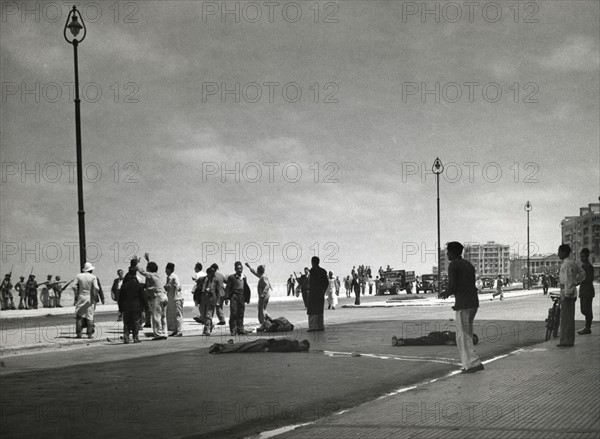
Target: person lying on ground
column 435, row 338
column 260, row 345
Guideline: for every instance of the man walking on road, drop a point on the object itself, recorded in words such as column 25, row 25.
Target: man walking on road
column 461, row 285
column 499, row 291
column 571, row 275
column 316, row 297
column 586, row 291
column 86, row 291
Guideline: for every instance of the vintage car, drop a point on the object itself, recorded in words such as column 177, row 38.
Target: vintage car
column 428, row 283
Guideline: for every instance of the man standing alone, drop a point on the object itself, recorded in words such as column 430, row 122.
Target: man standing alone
column 461, row 285
column 316, row 297
column 571, row 275
column 586, row 291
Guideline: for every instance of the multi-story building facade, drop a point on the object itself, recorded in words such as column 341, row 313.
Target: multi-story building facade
column 538, row 264
column 583, row 231
column 489, row 259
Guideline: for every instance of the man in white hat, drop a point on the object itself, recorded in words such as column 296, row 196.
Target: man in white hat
column 86, row 289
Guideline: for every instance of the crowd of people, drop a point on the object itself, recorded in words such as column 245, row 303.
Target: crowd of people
column 145, row 299
column 28, row 292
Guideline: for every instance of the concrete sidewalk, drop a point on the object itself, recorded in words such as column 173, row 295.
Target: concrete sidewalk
column 538, row 392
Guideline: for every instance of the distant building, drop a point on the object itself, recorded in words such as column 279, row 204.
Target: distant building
column 489, row 259
column 538, row 263
column 584, row 231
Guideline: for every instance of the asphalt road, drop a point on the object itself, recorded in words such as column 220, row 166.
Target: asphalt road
column 175, row 388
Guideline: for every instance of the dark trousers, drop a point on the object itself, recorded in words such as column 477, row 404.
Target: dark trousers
column 357, row 294
column 219, row 309
column 131, row 322
column 236, row 313
column 567, row 322
column 305, row 298
column 79, row 325
column 586, row 310
column 32, row 301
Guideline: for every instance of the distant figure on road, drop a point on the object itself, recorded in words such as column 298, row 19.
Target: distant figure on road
column 20, row 288
column 461, row 285
column 499, row 291
column 290, row 285
column 32, row 294
column 316, row 296
column 7, row 297
column 332, row 300
column 347, row 285
column 114, row 291
column 586, row 291
column 545, row 284
column 355, row 285
column 571, row 275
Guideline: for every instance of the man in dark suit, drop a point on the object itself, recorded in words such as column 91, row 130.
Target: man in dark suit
column 238, row 291
column 114, row 291
column 319, row 282
column 131, row 301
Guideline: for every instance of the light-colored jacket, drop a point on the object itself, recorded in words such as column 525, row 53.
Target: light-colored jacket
column 571, row 275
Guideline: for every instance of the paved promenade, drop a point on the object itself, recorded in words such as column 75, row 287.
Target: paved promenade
column 352, row 383
column 540, row 391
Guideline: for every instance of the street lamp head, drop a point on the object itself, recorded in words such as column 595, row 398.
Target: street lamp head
column 528, row 206
column 75, row 27
column 437, row 167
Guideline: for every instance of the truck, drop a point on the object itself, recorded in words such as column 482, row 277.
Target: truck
column 394, row 281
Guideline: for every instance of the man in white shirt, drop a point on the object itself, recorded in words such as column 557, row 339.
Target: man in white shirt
column 175, row 302
column 85, row 290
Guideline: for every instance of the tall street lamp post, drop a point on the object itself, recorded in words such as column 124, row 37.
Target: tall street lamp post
column 437, row 169
column 528, row 208
column 75, row 27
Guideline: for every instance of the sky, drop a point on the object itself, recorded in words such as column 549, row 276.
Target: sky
column 269, row 133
